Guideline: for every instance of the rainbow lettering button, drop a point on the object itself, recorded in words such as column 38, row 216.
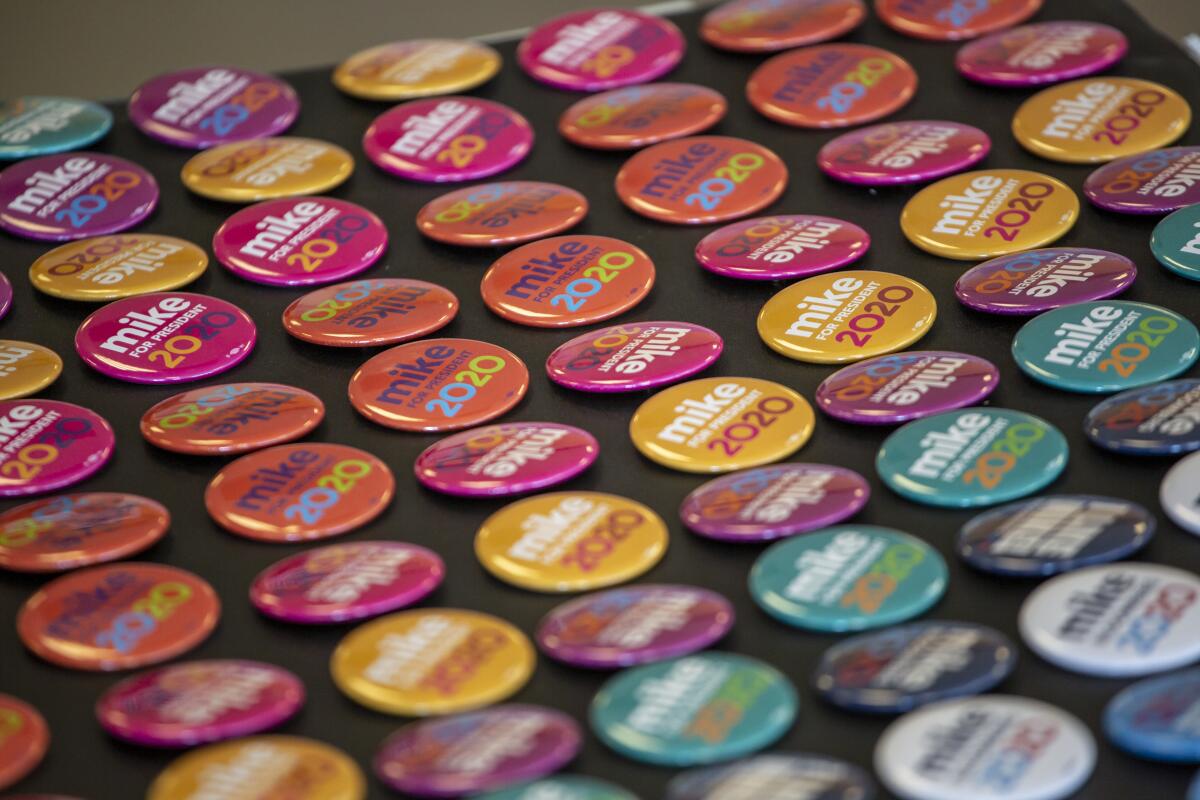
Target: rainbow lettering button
column 1039, row 280
column 627, row 358
column 263, row 169
column 903, row 152
column 1045, row 52
column 1175, row 242
column 952, row 20
column 1156, row 182
column 50, row 445
column 498, row 214
column 371, row 312
column 781, row 247
column 761, row 26
column 39, row 126
column 417, row 68
column 625, row 119
column 111, row 267
column 24, row 741
column 1150, row 719
column 1154, row 420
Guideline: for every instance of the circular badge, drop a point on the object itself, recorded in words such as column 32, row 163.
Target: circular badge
column 634, row 625
column 472, row 753
column 700, row 180
column 629, row 358
column 136, row 614
column 24, row 739
column 719, row 424
column 1105, row 346
column 263, row 169
column 74, row 195
column 499, row 214
column 50, row 445
column 1044, row 52
column 897, row 669
column 1057, row 533
column 1152, row 718
column 448, row 139
column 300, row 241
column 765, row 503
column 39, row 126
column 231, row 418
column 567, row 281
column 166, row 337
column 369, row 313
column 1175, row 242
column 831, row 86
column 697, row 709
column 283, row 766
column 995, row 747
column 781, row 247
column 26, row 368
column 297, row 492
column 111, row 267
column 951, row 20
column 625, row 119
column 1155, row 420
column 432, row 661
column 438, row 385
column 75, row 530
column 903, row 152
column 1115, row 620
column 208, row 106
column 197, row 702
column 571, row 541
column 1039, row 280
column 604, row 48
column 988, row 213
column 848, row 578
column 417, row 68
column 774, row 775
column 344, row 582
column 846, row 316
column 758, row 26
column 1151, row 183
column 6, row 295
column 562, row 787
column 1178, row 494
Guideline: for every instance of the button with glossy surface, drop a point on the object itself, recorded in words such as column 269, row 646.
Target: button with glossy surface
column 263, row 169
column 635, row 356
column 24, row 739
column 26, row 368
column 1178, row 494
column 1044, row 52
column 1156, row 182
column 38, row 126
column 371, row 312
column 417, row 68
column 780, row 247
column 760, row 26
column 1175, row 242
column 903, row 152
column 1151, row 718
column 951, row 20
column 111, row 267
column 51, row 445
column 776, row 775
column 498, row 214
column 1155, row 420
column 1039, row 280
column 564, row 787
column 625, row 119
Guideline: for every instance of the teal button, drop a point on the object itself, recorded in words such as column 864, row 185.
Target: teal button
column 1176, row 242
column 1105, row 346
column 848, row 578
column 562, row 787
column 698, row 709
column 38, row 126
column 972, row 457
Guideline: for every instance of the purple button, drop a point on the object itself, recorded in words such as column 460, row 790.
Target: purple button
column 74, row 196
column 6, row 295
column 765, row 503
column 903, row 152
column 892, row 389
column 1156, row 182
column 1047, row 52
column 775, row 248
column 48, row 445
column 1038, row 280
column 634, row 625
column 639, row 355
column 208, row 106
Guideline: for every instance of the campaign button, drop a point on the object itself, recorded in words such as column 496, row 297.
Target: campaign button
column 24, row 740
column 1156, row 182
column 755, row 26
column 1175, row 242
column 903, row 152
column 264, row 169
column 38, row 126
column 6, row 295
column 369, row 313
column 417, row 68
column 112, row 267
column 563, row 787
column 1040, row 280
column 51, row 445
column 498, row 214
column 1178, row 495
column 1159, row 419
column 1150, row 719
column 632, row 357
column 780, row 247
column 776, row 775
column 26, row 368
column 626, row 119
column 1044, row 52
column 951, row 20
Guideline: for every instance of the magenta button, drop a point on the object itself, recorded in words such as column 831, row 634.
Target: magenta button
column 1045, row 52
column 1038, row 280
column 50, row 445
column 638, row 355
column 777, row 248
column 903, row 152
column 1155, row 182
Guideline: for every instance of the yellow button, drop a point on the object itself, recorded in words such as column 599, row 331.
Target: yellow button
column 846, row 316
column 571, row 541
column 1099, row 119
column 976, row 215
column 721, row 424
column 111, row 267
column 432, row 661
column 417, row 68
column 262, row 169
column 26, row 368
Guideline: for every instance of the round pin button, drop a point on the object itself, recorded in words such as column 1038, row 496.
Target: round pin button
column 417, row 68
column 166, row 337
column 758, row 26
column 1105, row 346
column 1039, row 280
column 231, row 418
column 903, row 152
column 457, row 756
column 348, row 581
column 949, row 20
column 775, row 775
column 719, row 424
column 564, row 787
column 369, row 313
column 197, row 702
column 74, row 195
column 76, row 530
column 1155, row 420
column 438, row 385
column 1150, row 183
column 571, row 541
column 51, row 444
column 848, row 578
column 111, row 267
column 846, row 316
column 1150, row 719
column 1175, row 242
column 628, row 358
column 6, row 295
column 432, row 661
column 263, row 169
column 831, row 86
column 498, row 214
column 625, row 119
column 661, row 181
column 24, row 739
column 597, row 49
column 693, row 710
column 445, row 139
column 987, row 213
column 297, row 492
column 1045, row 52
column 566, row 281
column 1178, row 495
column 26, row 368
column 39, row 126
column 781, row 247
column 114, row 630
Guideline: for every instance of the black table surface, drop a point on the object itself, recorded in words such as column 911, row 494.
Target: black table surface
column 85, row 762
